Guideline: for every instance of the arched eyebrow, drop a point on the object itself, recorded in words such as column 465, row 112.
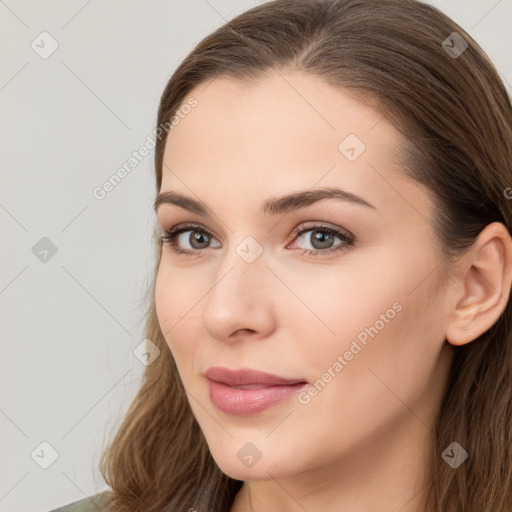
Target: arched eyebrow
column 272, row 206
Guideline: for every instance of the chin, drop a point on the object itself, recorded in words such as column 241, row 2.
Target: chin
column 234, row 469
column 243, row 460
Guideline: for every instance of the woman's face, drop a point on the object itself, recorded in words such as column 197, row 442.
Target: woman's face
column 329, row 291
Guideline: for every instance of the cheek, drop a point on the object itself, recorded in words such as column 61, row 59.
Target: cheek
column 164, row 300
column 384, row 345
column 352, row 316
column 175, row 297
column 376, row 308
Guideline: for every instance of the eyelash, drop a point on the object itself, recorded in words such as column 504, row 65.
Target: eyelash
column 168, row 238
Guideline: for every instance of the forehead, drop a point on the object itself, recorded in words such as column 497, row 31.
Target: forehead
column 288, row 131
column 287, row 114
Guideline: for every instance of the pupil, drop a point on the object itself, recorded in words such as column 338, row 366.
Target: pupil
column 321, row 237
column 196, row 236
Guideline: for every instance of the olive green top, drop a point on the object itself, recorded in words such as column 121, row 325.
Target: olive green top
column 95, row 503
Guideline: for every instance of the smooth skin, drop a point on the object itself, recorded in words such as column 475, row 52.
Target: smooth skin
column 363, row 442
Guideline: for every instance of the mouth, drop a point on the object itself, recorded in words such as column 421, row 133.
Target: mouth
column 245, row 392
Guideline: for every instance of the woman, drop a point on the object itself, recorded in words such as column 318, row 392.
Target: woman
column 333, row 272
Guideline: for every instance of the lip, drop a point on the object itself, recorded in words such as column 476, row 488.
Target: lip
column 260, row 390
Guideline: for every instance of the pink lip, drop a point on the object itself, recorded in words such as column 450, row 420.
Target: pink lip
column 265, row 390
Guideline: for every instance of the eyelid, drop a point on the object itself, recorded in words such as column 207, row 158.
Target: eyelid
column 306, row 226
column 186, row 226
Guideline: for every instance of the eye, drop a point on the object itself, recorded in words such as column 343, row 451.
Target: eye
column 198, row 238
column 321, row 239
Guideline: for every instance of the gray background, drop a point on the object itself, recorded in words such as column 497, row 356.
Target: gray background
column 70, row 323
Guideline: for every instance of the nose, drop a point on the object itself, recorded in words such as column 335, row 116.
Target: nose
column 240, row 301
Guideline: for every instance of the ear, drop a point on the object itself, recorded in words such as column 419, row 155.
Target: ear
column 482, row 286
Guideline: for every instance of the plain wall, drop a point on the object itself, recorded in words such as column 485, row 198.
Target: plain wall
column 71, row 320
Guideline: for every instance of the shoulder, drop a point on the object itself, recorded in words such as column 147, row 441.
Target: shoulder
column 96, row 503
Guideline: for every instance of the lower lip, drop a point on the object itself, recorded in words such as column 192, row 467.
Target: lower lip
column 244, row 402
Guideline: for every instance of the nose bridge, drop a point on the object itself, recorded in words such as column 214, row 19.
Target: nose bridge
column 240, row 274
column 238, row 299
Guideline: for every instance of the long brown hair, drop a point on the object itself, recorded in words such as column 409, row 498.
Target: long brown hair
column 457, row 117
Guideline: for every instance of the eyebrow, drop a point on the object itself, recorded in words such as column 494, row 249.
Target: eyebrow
column 272, row 206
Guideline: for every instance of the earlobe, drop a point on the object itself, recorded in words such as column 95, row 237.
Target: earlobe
column 486, row 275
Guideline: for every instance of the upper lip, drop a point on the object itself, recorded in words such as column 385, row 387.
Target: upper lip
column 247, row 376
